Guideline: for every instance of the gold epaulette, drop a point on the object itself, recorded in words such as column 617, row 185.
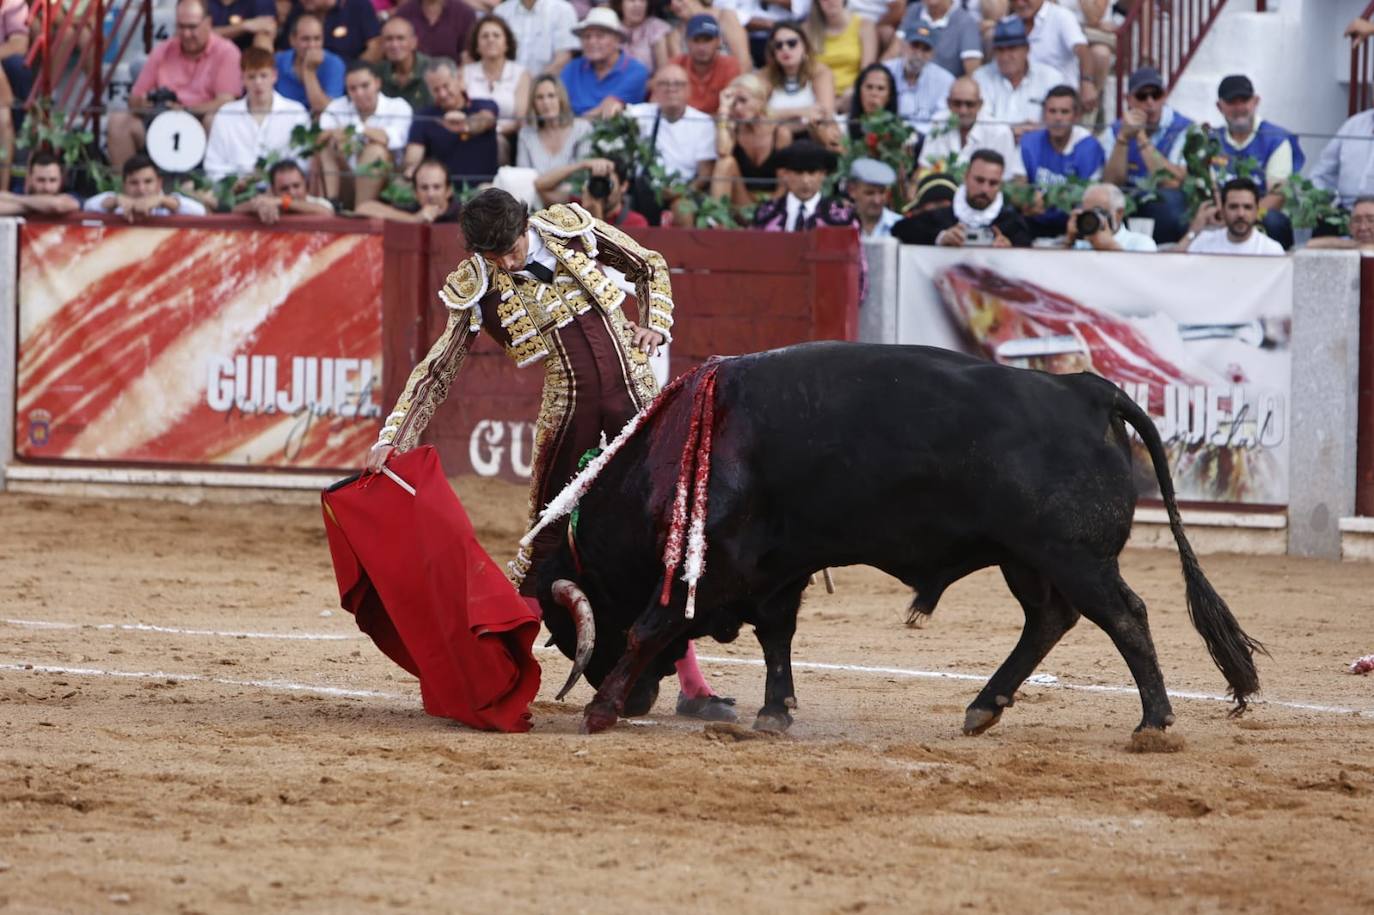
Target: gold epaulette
column 563, row 220
column 466, row 285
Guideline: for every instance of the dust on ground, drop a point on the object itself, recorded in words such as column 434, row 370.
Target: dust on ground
column 214, row 786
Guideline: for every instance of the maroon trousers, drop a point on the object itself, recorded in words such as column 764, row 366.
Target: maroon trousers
column 597, row 396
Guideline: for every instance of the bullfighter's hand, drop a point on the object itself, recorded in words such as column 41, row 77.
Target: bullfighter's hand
column 647, row 340
column 378, row 456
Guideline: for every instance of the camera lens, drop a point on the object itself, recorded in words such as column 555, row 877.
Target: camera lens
column 1089, row 223
column 599, row 186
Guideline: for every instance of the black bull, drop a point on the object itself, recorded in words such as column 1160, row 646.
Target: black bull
column 924, row 463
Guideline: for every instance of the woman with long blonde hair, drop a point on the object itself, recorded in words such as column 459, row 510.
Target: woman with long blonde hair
column 747, row 141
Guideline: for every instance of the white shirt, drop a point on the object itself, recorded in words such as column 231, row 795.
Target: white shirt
column 680, row 144
column 795, row 204
column 1015, row 104
column 923, row 103
column 1128, row 240
column 392, row 115
column 539, row 253
column 238, row 140
column 1052, row 39
column 188, row 206
column 883, row 227
column 1216, row 241
column 541, row 31
column 872, row 10
column 745, row 10
column 1346, row 165
column 982, row 135
column 501, row 90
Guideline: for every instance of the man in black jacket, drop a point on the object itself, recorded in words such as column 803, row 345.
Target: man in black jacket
column 979, row 217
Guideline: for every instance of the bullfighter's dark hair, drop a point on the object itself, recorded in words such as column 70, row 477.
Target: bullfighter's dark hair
column 1239, row 184
column 493, row 221
column 137, row 163
column 1063, row 91
column 988, row 155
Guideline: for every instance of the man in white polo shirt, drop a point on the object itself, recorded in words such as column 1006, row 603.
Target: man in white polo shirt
column 254, row 126
column 1230, row 229
column 1057, row 40
column 1014, row 86
column 379, row 121
column 683, row 139
column 970, row 133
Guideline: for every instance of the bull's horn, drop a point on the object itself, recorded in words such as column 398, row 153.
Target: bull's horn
column 568, row 595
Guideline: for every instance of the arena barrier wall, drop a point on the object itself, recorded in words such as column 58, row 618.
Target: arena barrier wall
column 205, row 344
column 735, row 292
column 1188, row 336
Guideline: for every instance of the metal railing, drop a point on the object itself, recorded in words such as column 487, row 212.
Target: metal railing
column 1361, row 70
column 75, row 31
column 1164, row 34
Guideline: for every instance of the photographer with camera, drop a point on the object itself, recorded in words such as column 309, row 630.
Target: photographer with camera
column 1099, row 223
column 197, row 71
column 979, row 217
column 603, row 195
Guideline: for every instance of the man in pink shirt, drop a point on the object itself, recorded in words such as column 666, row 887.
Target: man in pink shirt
column 202, row 68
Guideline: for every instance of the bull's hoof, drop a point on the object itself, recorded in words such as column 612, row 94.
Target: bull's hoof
column 642, row 697
column 598, row 717
column 772, row 721
column 707, row 708
column 978, row 720
column 1154, row 740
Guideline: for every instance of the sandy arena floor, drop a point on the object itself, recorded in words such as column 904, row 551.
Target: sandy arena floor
column 187, row 769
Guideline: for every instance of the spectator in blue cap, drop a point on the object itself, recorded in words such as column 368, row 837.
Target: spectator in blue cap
column 1146, row 140
column 956, row 36
column 870, row 187
column 1276, row 152
column 708, row 70
column 922, row 84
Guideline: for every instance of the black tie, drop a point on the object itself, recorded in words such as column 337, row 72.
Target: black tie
column 539, row 272
column 799, row 224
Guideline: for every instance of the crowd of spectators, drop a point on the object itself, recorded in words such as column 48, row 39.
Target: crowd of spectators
column 397, row 110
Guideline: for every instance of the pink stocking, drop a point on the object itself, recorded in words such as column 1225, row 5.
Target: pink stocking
column 689, row 677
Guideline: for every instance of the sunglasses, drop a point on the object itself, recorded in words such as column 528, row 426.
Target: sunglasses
column 784, row 43
column 960, row 103
column 1149, row 95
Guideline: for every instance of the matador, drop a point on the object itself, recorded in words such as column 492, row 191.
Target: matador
column 548, row 287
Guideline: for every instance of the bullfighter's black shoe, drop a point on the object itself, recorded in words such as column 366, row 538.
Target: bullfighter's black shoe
column 707, row 708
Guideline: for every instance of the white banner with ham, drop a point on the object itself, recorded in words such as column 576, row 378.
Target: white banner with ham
column 1200, row 342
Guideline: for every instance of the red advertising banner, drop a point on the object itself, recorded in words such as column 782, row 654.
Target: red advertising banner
column 190, row 345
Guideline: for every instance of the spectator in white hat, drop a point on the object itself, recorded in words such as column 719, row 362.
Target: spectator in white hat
column 605, row 78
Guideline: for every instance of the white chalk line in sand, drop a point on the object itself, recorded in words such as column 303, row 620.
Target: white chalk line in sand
column 172, row 630
column 280, row 685
column 1048, row 680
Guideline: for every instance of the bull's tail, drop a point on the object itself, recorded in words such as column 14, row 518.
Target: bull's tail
column 1230, row 647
